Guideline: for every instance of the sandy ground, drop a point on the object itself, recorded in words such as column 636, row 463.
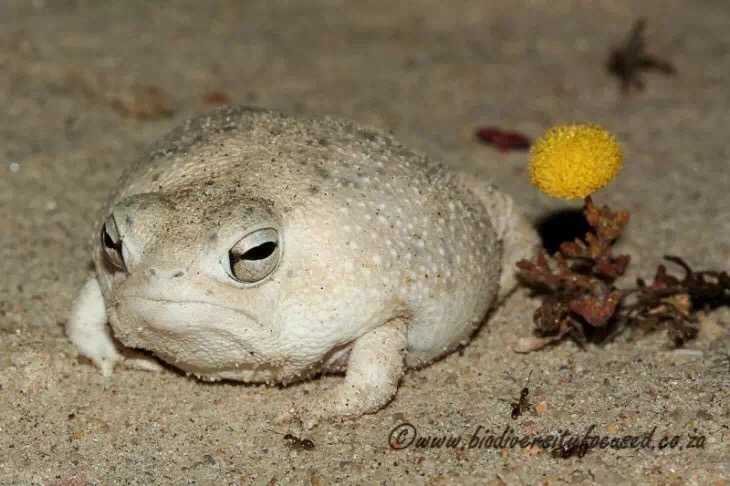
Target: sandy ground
column 74, row 77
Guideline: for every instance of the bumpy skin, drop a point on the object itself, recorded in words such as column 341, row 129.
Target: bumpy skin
column 386, row 260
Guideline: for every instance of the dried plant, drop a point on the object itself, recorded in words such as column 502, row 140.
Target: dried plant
column 580, row 298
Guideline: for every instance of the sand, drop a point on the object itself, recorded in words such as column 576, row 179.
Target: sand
column 87, row 85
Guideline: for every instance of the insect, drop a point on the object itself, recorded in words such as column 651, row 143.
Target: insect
column 628, row 60
column 296, row 443
column 522, row 404
column 568, row 450
column 503, row 140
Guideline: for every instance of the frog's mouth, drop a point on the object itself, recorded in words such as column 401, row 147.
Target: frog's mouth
column 207, row 339
column 173, row 314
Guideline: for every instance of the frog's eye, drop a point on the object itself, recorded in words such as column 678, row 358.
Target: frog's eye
column 111, row 246
column 254, row 256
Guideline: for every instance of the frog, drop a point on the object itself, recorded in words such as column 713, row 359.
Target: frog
column 261, row 246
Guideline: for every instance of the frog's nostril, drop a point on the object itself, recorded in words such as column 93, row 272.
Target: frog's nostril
column 178, row 274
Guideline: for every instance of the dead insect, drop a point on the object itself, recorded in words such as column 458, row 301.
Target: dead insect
column 627, row 61
column 296, row 443
column 503, row 140
column 522, row 404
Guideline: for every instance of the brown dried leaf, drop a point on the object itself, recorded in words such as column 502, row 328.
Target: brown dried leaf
column 550, row 317
column 217, row 98
column 612, row 267
column 142, row 101
column 596, row 310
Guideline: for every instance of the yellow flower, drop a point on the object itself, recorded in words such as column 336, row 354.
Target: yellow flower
column 573, row 161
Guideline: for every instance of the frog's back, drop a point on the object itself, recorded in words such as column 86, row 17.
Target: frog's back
column 268, row 151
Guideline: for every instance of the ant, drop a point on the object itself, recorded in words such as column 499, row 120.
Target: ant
column 565, row 451
column 522, row 404
column 296, row 443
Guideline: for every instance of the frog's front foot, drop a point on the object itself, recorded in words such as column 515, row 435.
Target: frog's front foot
column 87, row 328
column 375, row 366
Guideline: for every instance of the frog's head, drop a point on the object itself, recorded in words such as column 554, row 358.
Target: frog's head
column 197, row 287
